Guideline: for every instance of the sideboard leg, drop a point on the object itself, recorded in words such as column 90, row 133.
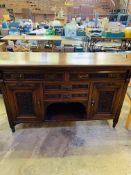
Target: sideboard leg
column 114, row 123
column 13, row 128
column 12, row 125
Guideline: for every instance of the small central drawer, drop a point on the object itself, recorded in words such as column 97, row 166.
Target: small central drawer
column 62, row 96
column 54, row 76
column 78, row 86
column 78, row 76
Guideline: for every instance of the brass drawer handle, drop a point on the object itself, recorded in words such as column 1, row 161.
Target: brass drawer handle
column 84, row 76
column 17, row 76
column 92, row 103
column 21, row 76
column 39, row 103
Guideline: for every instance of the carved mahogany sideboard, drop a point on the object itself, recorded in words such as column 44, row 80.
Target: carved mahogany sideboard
column 31, row 83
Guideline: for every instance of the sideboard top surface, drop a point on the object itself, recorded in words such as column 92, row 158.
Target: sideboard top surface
column 24, row 59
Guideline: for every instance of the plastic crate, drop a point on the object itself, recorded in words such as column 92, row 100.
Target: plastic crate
column 79, row 49
column 113, row 35
column 81, row 33
column 57, row 42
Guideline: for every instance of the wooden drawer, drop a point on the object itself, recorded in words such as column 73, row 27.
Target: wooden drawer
column 81, row 76
column 54, row 76
column 54, row 87
column 47, row 76
column 66, row 96
column 74, row 76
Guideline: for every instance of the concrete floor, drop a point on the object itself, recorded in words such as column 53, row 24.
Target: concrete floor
column 80, row 148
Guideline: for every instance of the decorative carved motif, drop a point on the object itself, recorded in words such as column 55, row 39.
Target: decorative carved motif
column 65, row 96
column 66, row 87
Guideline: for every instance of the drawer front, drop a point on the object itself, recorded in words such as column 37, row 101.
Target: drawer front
column 52, row 87
column 54, row 76
column 81, row 76
column 64, row 96
column 78, row 76
column 23, row 76
column 47, row 76
column 60, row 76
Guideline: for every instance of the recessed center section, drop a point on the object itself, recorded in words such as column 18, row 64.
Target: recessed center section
column 65, row 111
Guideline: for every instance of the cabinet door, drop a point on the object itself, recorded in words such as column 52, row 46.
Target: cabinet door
column 105, row 100
column 26, row 101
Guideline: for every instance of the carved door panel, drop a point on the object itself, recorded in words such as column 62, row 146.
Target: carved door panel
column 25, row 101
column 105, row 100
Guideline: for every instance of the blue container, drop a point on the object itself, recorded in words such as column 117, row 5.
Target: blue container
column 57, row 43
column 81, row 33
column 4, row 25
column 113, row 35
column 79, row 49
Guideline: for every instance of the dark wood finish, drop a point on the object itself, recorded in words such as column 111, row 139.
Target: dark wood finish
column 32, row 82
column 26, row 101
column 104, row 99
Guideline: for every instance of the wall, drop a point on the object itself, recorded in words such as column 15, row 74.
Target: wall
column 129, row 6
column 42, row 17
column 37, row 17
column 80, row 11
column 123, row 4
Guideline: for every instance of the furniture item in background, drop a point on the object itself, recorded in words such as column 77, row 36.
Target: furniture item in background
column 20, row 48
column 128, row 121
column 2, row 46
column 36, row 85
column 30, row 37
column 79, row 49
column 69, row 48
column 90, row 42
column 41, row 41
